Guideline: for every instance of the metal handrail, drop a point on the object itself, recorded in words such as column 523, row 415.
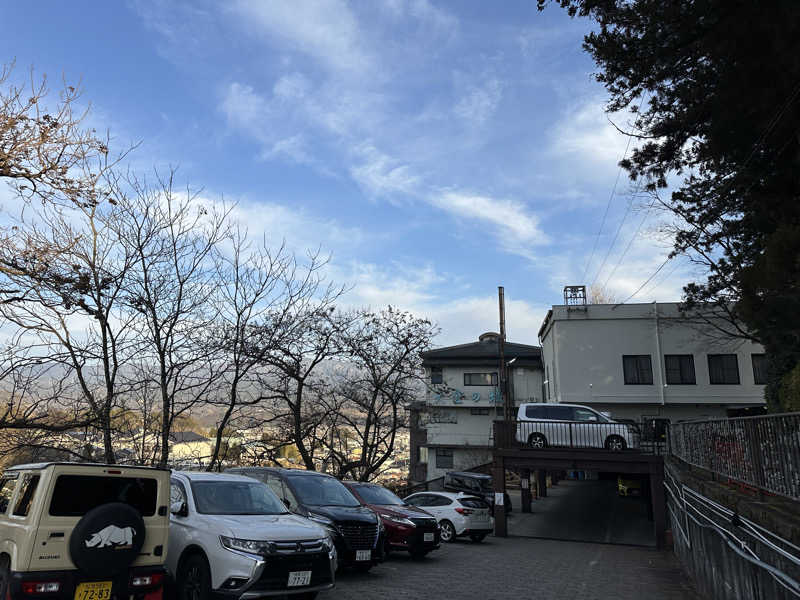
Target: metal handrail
column 762, row 452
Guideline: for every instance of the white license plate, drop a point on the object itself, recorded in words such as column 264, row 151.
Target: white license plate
column 299, row 578
column 363, row 555
column 428, row 537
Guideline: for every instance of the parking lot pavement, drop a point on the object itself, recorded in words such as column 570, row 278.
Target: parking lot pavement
column 521, row 569
column 585, row 511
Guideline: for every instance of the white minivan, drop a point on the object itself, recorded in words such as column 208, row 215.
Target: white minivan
column 572, row 426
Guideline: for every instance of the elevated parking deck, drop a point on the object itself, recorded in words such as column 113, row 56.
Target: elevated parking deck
column 529, row 447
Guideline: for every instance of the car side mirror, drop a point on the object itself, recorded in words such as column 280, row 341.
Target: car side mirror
column 287, row 503
column 179, row 509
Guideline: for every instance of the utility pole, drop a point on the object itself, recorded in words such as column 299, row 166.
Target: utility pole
column 502, row 371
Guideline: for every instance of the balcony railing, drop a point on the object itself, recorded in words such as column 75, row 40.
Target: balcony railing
column 612, row 437
column 762, row 452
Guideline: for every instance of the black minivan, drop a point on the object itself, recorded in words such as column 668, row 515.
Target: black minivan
column 476, row 484
column 356, row 530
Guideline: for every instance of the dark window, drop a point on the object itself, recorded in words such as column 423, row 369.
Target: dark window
column 321, row 491
column 536, row 412
column 375, row 494
column 7, row 485
column 723, row 369
column 444, row 458
column 421, row 500
column 584, row 414
column 75, row 495
column 679, row 369
column 638, row 369
column 560, row 413
column 235, row 498
column 473, row 503
column 436, row 375
column 177, row 493
column 28, row 490
column 440, row 501
column 479, row 411
column 480, row 378
column 759, row 369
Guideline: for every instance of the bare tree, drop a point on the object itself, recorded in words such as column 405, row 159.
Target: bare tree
column 175, row 242
column 381, row 376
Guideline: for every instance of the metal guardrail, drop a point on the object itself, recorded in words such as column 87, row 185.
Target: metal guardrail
column 762, row 452
column 613, row 436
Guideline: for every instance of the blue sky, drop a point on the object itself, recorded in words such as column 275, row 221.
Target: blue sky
column 435, row 149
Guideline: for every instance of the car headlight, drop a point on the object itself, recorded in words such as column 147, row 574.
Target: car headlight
column 399, row 520
column 251, row 546
column 329, row 545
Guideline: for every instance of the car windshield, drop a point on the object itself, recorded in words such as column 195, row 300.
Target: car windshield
column 235, row 498
column 322, row 491
column 373, row 494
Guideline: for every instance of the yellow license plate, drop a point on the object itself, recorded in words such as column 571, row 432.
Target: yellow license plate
column 93, row 590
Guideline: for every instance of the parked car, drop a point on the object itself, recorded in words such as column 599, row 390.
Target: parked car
column 356, row 530
column 83, row 531
column 458, row 514
column 477, row 484
column 231, row 536
column 570, row 425
column 628, row 487
column 407, row 527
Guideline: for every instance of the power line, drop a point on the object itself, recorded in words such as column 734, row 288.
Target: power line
column 608, row 204
column 630, row 243
column 649, row 279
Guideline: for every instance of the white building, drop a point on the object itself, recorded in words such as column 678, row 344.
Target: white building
column 452, row 427
column 648, row 360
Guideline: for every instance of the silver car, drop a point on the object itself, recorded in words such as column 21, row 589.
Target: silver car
column 572, row 426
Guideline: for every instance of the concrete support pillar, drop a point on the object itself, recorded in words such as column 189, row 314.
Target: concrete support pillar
column 541, row 483
column 525, row 485
column 499, row 482
column 658, row 501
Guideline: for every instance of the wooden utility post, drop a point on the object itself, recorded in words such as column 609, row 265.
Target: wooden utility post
column 508, row 410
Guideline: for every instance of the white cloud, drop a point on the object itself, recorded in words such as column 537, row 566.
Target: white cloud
column 479, row 102
column 510, row 217
column 381, row 175
column 325, row 30
column 585, row 133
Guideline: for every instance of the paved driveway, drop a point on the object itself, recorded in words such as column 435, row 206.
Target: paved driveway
column 521, row 569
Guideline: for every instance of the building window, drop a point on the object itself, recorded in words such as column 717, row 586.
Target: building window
column 638, row 369
column 422, row 455
column 479, row 411
column 723, row 369
column 444, row 458
column 436, row 375
column 679, row 369
column 480, row 378
column 759, row 369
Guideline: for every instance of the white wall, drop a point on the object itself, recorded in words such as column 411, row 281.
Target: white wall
column 584, row 349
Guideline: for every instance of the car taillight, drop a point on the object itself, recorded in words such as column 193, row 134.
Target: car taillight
column 141, row 581
column 40, row 587
column 464, row 511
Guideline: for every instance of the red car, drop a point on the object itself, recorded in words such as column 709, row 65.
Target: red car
column 407, row 527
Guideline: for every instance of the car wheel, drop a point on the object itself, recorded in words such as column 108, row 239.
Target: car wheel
column 194, row 579
column 537, row 441
column 5, row 573
column 615, row 443
column 477, row 538
column 448, row 531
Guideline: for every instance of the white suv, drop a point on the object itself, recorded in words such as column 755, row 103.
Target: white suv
column 231, row 536
column 71, row 531
column 570, row 425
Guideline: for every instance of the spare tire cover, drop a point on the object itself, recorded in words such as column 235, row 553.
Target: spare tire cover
column 107, row 539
